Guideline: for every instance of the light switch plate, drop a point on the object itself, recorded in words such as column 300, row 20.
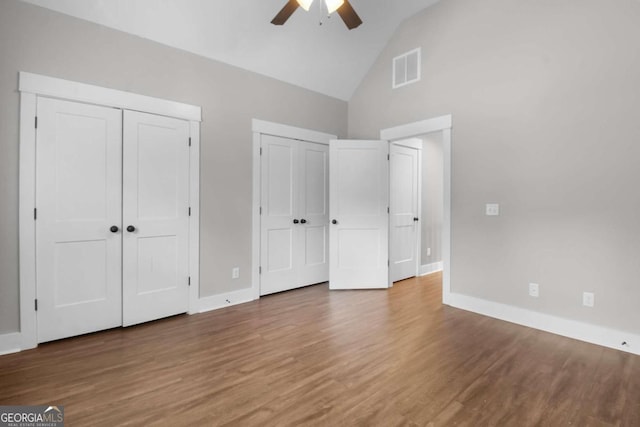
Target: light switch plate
column 493, row 209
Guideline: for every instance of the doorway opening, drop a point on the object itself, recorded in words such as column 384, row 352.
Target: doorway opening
column 433, row 247
column 416, row 199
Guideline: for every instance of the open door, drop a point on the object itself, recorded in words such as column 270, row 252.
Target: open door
column 404, row 229
column 359, row 206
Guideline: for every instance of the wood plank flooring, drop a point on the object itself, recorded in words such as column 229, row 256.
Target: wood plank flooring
column 314, row 357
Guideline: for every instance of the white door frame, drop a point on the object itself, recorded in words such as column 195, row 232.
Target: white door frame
column 32, row 86
column 416, row 144
column 259, row 128
column 438, row 124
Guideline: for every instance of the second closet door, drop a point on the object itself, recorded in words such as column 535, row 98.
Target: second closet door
column 294, row 221
column 155, row 217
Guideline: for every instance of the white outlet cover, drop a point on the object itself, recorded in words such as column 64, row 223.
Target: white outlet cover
column 492, row 209
column 235, row 273
column 534, row 290
column 588, row 299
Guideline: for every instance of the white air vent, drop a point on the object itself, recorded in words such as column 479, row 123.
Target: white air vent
column 406, row 68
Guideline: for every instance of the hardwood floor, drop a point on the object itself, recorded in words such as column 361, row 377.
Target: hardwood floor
column 314, row 357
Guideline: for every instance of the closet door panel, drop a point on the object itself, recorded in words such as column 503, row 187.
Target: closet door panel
column 78, row 199
column 313, row 194
column 278, row 231
column 155, row 217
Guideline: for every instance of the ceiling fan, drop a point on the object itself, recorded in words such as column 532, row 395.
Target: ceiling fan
column 343, row 7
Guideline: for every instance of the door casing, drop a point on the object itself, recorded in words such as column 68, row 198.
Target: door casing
column 410, row 130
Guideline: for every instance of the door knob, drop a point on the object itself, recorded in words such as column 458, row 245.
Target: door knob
column 114, row 229
column 295, row 221
column 335, row 221
column 131, row 229
column 416, row 219
column 303, row 221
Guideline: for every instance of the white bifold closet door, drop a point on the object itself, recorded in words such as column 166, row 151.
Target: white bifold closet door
column 78, row 199
column 112, row 218
column 155, row 266
column 294, row 214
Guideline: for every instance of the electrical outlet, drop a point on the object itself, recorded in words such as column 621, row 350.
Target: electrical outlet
column 428, row 251
column 235, row 273
column 492, row 209
column 534, row 290
column 588, row 299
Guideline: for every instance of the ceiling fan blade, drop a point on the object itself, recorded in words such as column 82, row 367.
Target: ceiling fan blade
column 349, row 16
column 285, row 13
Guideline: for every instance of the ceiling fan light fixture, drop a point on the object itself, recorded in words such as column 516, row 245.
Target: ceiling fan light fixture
column 305, row 4
column 333, row 5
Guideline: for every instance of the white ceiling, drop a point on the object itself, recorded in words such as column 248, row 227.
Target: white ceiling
column 324, row 58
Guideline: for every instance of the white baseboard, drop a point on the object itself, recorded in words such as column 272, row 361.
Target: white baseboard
column 10, row 343
column 430, row 268
column 556, row 325
column 228, row 299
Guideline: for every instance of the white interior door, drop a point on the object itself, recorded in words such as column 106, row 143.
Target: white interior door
column 78, row 199
column 313, row 209
column 155, row 217
column 404, row 212
column 279, row 205
column 359, row 202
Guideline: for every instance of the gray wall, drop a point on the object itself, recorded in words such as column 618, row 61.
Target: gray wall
column 432, row 197
column 545, row 97
column 44, row 42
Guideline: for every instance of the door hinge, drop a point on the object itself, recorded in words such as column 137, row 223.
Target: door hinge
column 35, row 214
column 388, row 157
column 189, row 141
column 261, row 151
column 189, row 210
column 388, row 209
column 36, row 122
column 36, row 303
column 260, row 210
column 189, row 281
column 259, row 270
column 388, row 263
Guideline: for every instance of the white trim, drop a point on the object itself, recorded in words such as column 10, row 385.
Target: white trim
column 430, row 268
column 65, row 89
column 228, row 299
column 194, row 220
column 27, row 226
column 438, row 124
column 594, row 334
column 409, row 130
column 259, row 128
column 413, row 143
column 34, row 85
column 446, row 217
column 255, row 217
column 286, row 131
column 10, row 343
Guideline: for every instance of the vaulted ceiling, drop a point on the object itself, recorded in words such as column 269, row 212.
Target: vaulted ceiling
column 325, row 58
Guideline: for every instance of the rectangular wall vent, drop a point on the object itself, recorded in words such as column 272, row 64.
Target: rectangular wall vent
column 406, row 68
